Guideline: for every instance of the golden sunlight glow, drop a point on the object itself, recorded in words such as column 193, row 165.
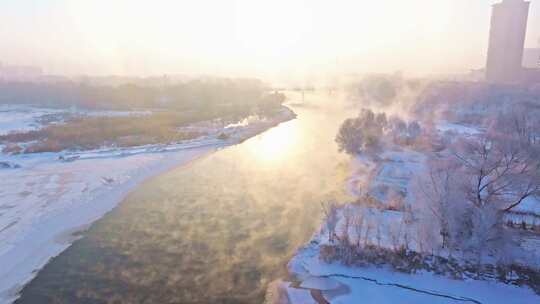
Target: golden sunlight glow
column 250, row 38
column 251, row 35
column 272, row 27
column 275, row 144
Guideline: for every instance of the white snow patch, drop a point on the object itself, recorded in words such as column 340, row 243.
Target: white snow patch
column 21, row 118
column 458, row 128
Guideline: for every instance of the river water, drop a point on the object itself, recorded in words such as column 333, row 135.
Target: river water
column 216, row 231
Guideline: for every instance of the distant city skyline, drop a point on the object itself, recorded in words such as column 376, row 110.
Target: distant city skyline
column 268, row 39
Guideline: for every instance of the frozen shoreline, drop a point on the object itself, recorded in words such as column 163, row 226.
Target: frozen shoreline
column 338, row 283
column 45, row 201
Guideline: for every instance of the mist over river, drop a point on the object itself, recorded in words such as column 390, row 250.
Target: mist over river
column 216, row 231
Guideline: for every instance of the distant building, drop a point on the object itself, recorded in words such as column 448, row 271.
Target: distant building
column 507, row 41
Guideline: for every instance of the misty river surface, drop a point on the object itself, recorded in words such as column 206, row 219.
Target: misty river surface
column 215, row 231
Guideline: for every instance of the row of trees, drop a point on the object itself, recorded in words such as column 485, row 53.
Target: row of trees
column 468, row 187
column 366, row 131
column 203, row 95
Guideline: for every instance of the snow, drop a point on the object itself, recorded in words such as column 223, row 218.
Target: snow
column 21, row 118
column 296, row 295
column 27, row 117
column 392, row 172
column 381, row 285
column 458, row 128
column 44, row 200
column 529, row 205
column 396, row 171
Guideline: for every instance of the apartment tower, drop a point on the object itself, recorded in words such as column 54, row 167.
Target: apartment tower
column 507, row 41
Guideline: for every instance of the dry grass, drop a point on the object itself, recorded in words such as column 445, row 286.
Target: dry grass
column 95, row 132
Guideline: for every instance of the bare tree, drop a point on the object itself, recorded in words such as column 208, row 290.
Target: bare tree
column 330, row 218
column 522, row 124
column 413, row 131
column 347, row 222
column 395, row 234
column 501, row 172
column 358, row 225
column 438, row 192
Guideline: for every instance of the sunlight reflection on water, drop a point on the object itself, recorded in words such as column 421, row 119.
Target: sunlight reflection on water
column 275, row 144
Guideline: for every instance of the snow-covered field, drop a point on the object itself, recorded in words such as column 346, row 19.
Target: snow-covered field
column 27, row 118
column 44, row 200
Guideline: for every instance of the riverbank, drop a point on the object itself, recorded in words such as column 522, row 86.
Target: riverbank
column 338, row 283
column 374, row 249
column 46, row 201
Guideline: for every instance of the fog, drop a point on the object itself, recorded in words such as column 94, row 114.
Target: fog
column 273, row 40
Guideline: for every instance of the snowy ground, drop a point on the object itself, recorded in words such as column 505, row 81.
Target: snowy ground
column 316, row 281
column 392, row 172
column 341, row 284
column 26, row 118
column 44, row 200
column 458, row 128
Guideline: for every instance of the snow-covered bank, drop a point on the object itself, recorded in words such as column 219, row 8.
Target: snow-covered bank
column 315, row 279
column 386, row 247
column 45, row 200
column 381, row 285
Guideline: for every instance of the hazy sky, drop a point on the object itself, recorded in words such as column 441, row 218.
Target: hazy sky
column 263, row 38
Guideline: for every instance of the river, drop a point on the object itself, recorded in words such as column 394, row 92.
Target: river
column 216, row 231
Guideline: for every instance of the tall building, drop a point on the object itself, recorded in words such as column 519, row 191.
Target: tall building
column 507, row 41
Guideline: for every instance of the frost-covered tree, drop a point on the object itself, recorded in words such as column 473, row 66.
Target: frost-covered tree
column 381, row 120
column 469, row 189
column 521, row 123
column 401, row 132
column 500, row 172
column 330, row 213
column 397, row 129
column 440, row 199
column 360, row 133
column 413, row 131
column 350, row 138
